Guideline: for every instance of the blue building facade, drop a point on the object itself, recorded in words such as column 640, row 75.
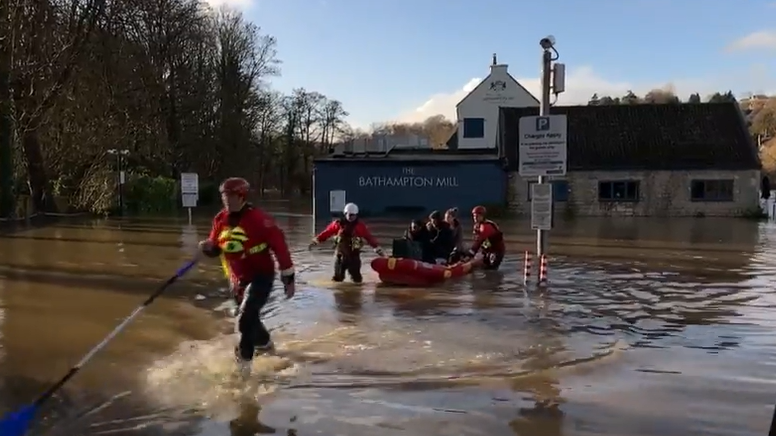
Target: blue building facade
column 384, row 186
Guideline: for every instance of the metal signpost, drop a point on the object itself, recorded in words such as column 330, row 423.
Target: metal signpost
column 189, row 191
column 542, row 147
column 541, row 206
column 122, row 176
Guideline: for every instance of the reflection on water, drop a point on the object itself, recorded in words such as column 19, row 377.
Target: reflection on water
column 648, row 328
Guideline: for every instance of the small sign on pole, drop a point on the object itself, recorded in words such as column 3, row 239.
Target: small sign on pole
column 541, row 206
column 189, row 192
column 542, row 148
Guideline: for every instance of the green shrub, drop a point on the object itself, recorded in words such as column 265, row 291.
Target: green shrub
column 145, row 195
column 208, row 194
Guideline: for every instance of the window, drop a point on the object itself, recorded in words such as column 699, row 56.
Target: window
column 474, row 127
column 711, row 190
column 560, row 190
column 620, row 190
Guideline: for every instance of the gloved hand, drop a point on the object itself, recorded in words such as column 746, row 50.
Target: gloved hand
column 379, row 252
column 313, row 243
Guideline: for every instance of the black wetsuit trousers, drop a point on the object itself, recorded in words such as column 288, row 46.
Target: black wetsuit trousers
column 492, row 260
column 252, row 331
column 350, row 263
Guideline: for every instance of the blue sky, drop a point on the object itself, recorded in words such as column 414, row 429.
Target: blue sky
column 408, row 59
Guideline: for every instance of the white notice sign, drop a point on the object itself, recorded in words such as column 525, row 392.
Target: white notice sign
column 337, row 201
column 189, row 200
column 541, row 206
column 542, row 147
column 189, row 183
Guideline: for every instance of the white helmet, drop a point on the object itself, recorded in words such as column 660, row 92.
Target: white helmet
column 350, row 209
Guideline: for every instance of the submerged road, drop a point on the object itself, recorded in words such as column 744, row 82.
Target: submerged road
column 648, row 328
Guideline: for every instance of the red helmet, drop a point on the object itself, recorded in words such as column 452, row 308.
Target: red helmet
column 478, row 210
column 235, row 185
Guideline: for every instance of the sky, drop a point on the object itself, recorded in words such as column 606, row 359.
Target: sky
column 406, row 60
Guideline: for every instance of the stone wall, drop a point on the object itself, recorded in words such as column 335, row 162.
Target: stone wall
column 662, row 193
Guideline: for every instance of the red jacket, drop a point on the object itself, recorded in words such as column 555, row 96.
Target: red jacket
column 489, row 232
column 358, row 229
column 247, row 240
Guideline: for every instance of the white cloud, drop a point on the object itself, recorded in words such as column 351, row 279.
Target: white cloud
column 763, row 39
column 581, row 84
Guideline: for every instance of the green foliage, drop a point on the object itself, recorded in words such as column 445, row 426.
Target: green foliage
column 658, row 96
column 208, row 193
column 147, row 195
column 212, row 112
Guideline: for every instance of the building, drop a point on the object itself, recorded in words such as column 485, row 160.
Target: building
column 478, row 112
column 383, row 143
column 406, row 182
column 645, row 160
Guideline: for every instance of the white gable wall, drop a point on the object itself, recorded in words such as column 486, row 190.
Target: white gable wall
column 499, row 89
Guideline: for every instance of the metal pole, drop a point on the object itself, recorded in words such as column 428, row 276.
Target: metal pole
column 544, row 110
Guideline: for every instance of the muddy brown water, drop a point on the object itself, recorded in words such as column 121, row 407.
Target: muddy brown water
column 648, row 328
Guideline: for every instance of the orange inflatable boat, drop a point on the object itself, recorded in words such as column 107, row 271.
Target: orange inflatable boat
column 410, row 272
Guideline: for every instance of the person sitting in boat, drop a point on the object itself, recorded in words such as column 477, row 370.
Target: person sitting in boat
column 417, row 232
column 488, row 240
column 442, row 242
column 349, row 235
column 451, row 218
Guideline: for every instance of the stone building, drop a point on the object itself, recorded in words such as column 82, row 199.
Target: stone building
column 645, row 160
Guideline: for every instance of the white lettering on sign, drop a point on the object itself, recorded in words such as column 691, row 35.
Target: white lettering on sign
column 408, row 182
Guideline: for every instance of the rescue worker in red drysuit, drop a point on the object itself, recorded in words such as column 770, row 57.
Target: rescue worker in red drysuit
column 488, row 239
column 247, row 237
column 349, row 233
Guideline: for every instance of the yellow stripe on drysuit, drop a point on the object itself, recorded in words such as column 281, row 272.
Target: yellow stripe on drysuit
column 225, row 267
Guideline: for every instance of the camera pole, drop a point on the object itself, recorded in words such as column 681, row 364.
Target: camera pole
column 544, row 110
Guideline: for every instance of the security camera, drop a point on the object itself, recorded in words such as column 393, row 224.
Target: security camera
column 547, row 42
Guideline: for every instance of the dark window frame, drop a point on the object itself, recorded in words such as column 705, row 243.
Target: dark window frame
column 478, row 130
column 555, row 190
column 712, row 190
column 619, row 191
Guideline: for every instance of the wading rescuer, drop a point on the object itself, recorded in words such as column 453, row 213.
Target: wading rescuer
column 247, row 237
column 350, row 233
column 488, row 239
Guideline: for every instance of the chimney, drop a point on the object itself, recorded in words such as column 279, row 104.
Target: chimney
column 496, row 68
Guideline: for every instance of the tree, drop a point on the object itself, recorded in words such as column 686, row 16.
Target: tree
column 181, row 86
column 630, row 98
column 437, row 129
column 660, row 96
column 7, row 203
column 764, row 120
column 722, row 98
column 694, row 98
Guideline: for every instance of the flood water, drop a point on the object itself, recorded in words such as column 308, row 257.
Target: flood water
column 647, row 328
